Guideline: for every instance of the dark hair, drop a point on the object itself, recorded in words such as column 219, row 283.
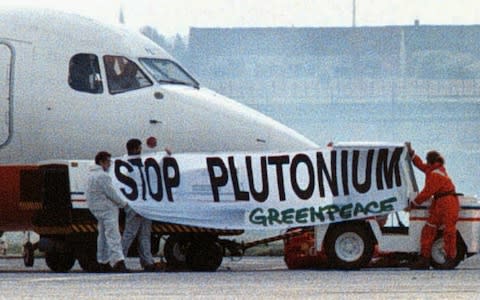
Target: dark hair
column 102, row 156
column 434, row 157
column 133, row 145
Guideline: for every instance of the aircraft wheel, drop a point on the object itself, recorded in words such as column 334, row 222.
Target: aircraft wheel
column 59, row 262
column 349, row 246
column 175, row 250
column 204, row 254
column 28, row 254
column 438, row 260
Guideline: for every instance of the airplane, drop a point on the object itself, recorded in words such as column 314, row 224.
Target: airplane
column 71, row 86
column 64, row 94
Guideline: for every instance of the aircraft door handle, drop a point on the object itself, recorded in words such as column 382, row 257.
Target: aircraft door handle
column 155, row 121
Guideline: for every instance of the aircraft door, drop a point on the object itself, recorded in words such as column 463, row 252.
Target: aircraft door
column 6, row 82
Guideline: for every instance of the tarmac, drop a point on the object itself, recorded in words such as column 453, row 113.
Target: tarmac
column 248, row 278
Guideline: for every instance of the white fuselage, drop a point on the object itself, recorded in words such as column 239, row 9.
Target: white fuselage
column 43, row 117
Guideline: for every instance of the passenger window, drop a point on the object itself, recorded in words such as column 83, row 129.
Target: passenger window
column 84, row 74
column 124, row 75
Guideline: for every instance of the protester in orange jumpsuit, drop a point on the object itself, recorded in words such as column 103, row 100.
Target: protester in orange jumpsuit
column 443, row 210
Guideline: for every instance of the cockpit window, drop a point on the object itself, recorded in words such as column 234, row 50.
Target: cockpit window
column 168, row 72
column 124, row 75
column 84, row 74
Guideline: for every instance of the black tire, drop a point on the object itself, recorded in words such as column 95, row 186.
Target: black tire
column 349, row 246
column 59, row 262
column 28, row 254
column 204, row 254
column 438, row 260
column 175, row 250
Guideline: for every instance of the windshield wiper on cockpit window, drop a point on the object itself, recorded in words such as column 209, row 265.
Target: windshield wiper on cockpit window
column 175, row 81
column 172, row 81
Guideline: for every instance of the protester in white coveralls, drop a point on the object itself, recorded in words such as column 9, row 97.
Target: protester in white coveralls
column 104, row 203
column 136, row 225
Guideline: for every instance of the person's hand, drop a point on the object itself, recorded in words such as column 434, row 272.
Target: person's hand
column 410, row 206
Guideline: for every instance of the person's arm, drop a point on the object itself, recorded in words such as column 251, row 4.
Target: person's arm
column 417, row 161
column 111, row 193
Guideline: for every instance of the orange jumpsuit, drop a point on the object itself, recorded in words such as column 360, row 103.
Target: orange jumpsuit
column 443, row 211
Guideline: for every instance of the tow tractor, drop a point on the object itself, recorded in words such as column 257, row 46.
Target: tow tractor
column 376, row 241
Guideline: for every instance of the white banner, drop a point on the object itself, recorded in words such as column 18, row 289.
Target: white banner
column 266, row 190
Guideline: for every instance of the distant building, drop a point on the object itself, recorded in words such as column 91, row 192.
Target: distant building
column 443, row 52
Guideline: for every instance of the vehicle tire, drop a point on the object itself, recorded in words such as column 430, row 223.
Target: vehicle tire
column 28, row 254
column 438, row 254
column 59, row 262
column 204, row 254
column 175, row 250
column 349, row 246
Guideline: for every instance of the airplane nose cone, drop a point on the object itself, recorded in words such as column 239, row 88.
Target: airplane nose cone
column 203, row 121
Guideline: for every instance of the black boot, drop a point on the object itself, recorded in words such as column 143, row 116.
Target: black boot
column 421, row 263
column 120, row 267
column 450, row 263
column 104, row 268
column 155, row 267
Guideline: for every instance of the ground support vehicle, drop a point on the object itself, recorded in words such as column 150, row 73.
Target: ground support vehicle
column 48, row 199
column 370, row 242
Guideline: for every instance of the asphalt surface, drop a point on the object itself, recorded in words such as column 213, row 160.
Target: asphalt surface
column 249, row 278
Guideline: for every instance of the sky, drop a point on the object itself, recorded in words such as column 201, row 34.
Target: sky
column 170, row 17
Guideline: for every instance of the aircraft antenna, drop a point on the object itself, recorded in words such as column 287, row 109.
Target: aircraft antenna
column 354, row 13
column 121, row 18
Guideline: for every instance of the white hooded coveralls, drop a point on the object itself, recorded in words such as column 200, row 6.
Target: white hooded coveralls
column 104, row 203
